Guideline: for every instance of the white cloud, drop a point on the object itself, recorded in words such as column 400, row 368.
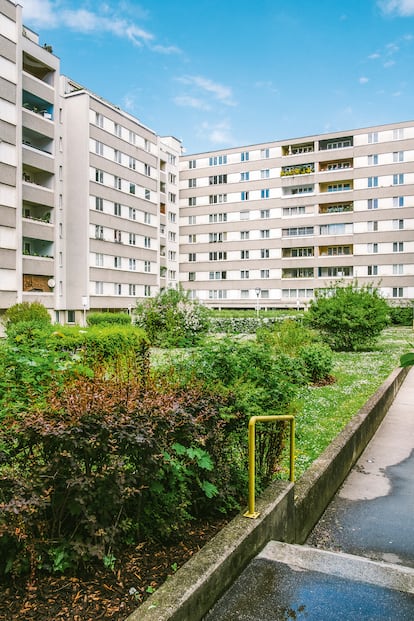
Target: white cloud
column 404, row 8
column 363, row 80
column 216, row 133
column 219, row 91
column 389, row 63
column 374, row 56
column 53, row 14
column 191, row 102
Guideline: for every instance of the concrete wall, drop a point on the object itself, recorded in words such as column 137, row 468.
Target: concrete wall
column 288, row 512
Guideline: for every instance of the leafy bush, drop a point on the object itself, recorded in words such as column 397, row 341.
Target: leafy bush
column 171, row 319
column 287, row 336
column 33, row 312
column 241, row 325
column 401, row 315
column 349, row 317
column 99, row 319
column 318, row 360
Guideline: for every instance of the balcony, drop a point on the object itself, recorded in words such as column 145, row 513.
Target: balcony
column 42, row 248
column 302, row 169
column 37, row 105
column 38, row 283
column 39, row 213
column 336, row 272
column 336, row 207
column 340, row 186
column 335, row 165
column 37, row 141
column 36, row 176
column 298, row 149
column 336, row 251
column 34, row 229
column 298, row 190
column 38, row 69
column 336, row 143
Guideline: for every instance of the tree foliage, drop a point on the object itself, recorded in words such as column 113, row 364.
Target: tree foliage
column 33, row 312
column 350, row 317
column 171, row 319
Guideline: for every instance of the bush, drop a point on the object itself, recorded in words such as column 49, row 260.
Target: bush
column 401, row 315
column 171, row 319
column 99, row 319
column 348, row 317
column 287, row 336
column 318, row 360
column 33, row 312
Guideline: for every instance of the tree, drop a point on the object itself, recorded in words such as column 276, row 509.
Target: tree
column 349, row 317
column 27, row 311
column 171, row 319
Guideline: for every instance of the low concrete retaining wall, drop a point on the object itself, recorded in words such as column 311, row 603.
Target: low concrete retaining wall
column 287, row 513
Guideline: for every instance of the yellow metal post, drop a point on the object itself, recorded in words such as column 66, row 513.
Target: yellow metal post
column 251, row 513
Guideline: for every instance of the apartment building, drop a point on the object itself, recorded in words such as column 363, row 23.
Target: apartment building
column 88, row 194
column 98, row 211
column 267, row 225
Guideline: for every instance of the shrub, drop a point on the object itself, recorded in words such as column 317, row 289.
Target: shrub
column 99, row 319
column 401, row 315
column 318, row 360
column 349, row 317
column 33, row 312
column 171, row 319
column 287, row 336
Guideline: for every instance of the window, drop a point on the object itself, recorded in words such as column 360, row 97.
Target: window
column 132, row 213
column 147, row 266
column 244, row 235
column 244, row 294
column 216, row 179
column 132, row 289
column 294, row 211
column 99, row 119
column 171, row 197
column 217, row 256
column 265, row 234
column 192, row 257
column 398, row 156
column 372, row 248
column 372, row 270
column 297, row 231
column 217, row 217
column 339, row 187
column 117, row 209
column 172, row 236
column 118, row 262
column 264, row 153
column 147, row 217
column 117, row 236
column 398, row 269
column 147, row 170
column 99, row 259
column 192, row 183
column 398, row 179
column 264, row 253
column 372, row 225
column 118, row 156
column 398, row 224
column 147, row 242
column 372, row 137
column 99, row 147
column 217, row 275
column 372, row 160
column 171, row 159
column 147, row 291
column 99, row 232
column 244, row 156
column 217, row 237
column 398, row 247
column 265, row 213
column 132, row 264
column 244, row 196
column 264, row 193
column 172, row 217
column 217, row 160
column 335, row 229
column 244, row 274
column 244, row 254
column 98, row 287
column 132, row 163
column 397, row 292
column 244, row 176
column 147, row 145
column 372, row 182
column 117, row 130
column 192, row 163
column 372, row 203
column 265, row 174
column 217, row 294
column 117, row 183
column 132, row 137
column 173, row 179
column 132, row 239
column 217, row 198
column 191, row 276
column 98, row 203
column 192, row 219
column 398, row 201
column 244, row 215
column 264, row 273
column 99, row 176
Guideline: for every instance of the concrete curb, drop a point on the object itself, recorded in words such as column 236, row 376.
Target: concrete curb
column 287, row 513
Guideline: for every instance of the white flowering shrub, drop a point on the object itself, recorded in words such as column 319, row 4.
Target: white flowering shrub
column 171, row 319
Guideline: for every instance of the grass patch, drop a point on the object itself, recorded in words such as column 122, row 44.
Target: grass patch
column 326, row 410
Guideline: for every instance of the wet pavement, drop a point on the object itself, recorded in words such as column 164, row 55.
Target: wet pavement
column 358, row 563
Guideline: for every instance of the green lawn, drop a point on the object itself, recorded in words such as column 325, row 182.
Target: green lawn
column 326, row 410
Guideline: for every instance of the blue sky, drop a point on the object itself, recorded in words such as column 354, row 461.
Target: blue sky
column 221, row 73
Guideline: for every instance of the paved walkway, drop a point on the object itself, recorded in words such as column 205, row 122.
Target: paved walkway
column 358, row 563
